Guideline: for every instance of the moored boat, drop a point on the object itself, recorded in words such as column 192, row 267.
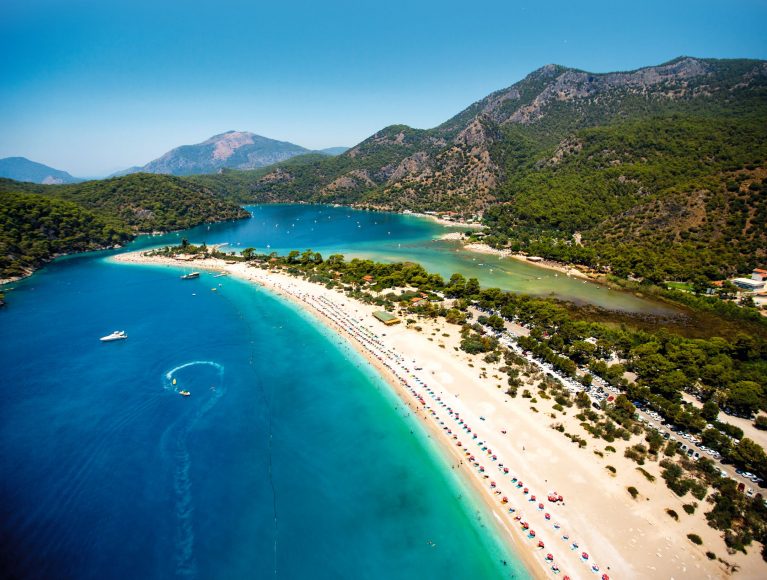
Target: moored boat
column 191, row 276
column 184, row 393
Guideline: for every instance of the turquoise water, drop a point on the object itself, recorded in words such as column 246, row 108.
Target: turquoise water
column 290, row 459
column 394, row 237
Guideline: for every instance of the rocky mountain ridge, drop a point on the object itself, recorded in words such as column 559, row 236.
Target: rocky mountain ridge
column 239, row 150
column 461, row 164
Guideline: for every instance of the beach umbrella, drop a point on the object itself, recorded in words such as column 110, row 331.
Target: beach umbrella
column 540, row 544
column 595, row 568
column 525, row 490
column 532, row 533
column 547, row 516
column 505, row 499
column 605, row 577
column 549, row 557
column 532, row 498
column 540, row 506
column 584, row 555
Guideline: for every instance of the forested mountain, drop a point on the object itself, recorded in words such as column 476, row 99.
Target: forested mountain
column 34, row 228
column 22, row 169
column 632, row 161
column 38, row 222
column 233, row 150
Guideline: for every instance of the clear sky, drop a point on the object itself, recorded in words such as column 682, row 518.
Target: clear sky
column 93, row 86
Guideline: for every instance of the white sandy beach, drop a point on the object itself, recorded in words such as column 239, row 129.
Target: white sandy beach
column 472, row 416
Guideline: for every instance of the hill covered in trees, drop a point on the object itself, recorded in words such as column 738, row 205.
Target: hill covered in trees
column 655, row 173
column 38, row 222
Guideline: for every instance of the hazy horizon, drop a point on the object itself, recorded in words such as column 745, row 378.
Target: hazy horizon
column 92, row 89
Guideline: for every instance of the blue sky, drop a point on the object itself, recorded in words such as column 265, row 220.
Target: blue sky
column 92, row 86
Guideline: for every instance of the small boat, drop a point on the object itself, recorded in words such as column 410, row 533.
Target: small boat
column 220, row 275
column 191, row 276
column 116, row 335
column 184, row 393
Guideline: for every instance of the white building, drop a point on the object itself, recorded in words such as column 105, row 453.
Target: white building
column 749, row 284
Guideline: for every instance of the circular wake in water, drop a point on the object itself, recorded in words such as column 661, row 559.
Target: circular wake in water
column 174, row 439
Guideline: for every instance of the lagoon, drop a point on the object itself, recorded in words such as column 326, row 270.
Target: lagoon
column 390, row 237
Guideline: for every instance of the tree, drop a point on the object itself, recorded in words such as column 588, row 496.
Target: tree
column 624, row 407
column 247, row 253
column 472, row 288
column 582, row 400
column 745, row 397
column 751, row 455
column 456, row 288
column 710, row 411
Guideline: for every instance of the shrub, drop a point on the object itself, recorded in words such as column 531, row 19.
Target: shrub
column 610, row 468
column 649, row 476
column 690, row 508
column 633, row 491
column 695, row 539
column 710, row 555
column 672, row 514
column 610, row 448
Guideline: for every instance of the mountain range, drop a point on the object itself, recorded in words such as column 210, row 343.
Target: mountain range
column 22, row 169
column 230, row 150
column 657, row 172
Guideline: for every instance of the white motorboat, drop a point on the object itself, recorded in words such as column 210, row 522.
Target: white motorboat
column 116, row 335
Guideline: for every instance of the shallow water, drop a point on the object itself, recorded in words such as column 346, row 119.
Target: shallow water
column 394, row 237
column 290, row 458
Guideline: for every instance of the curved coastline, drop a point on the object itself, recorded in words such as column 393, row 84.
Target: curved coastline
column 626, row 539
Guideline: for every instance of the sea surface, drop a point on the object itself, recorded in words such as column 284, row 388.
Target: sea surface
column 290, row 458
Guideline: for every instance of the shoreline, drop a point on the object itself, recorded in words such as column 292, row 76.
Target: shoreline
column 509, row 540
column 627, row 538
column 561, row 267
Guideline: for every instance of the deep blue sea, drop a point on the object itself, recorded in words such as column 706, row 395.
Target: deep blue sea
column 290, row 459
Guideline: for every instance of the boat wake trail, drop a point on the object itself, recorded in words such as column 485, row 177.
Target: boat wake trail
column 268, row 406
column 175, row 439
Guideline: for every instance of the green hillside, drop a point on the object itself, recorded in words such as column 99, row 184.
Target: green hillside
column 34, row 228
column 660, row 198
column 41, row 221
column 659, row 171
